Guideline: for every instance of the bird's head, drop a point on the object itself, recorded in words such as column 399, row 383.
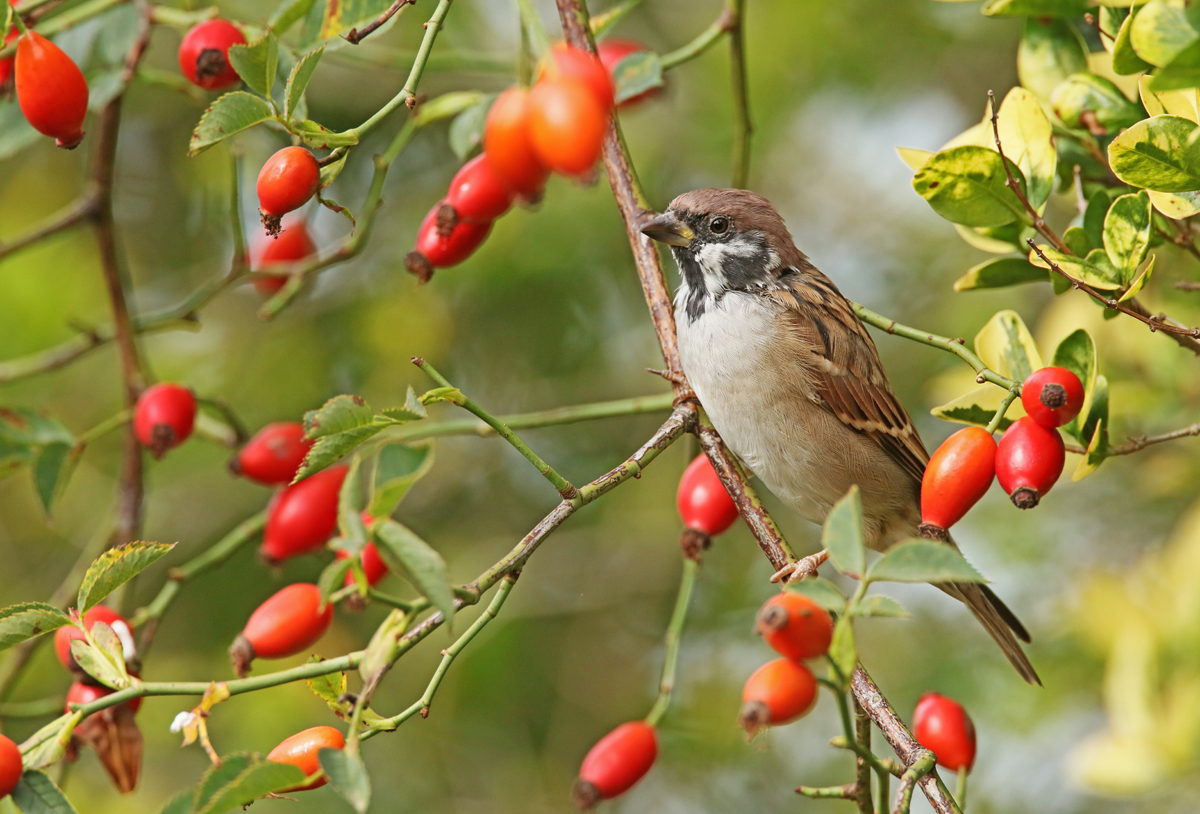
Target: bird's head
column 725, row 240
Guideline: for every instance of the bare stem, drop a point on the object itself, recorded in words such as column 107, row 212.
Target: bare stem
column 742, row 127
column 707, row 38
column 674, row 632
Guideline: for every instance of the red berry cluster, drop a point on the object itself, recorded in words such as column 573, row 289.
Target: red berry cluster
column 558, row 125
column 942, row 726
column 783, row 690
column 1027, row 461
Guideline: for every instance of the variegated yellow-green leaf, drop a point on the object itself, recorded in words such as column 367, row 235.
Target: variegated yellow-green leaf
column 1006, row 346
column 1050, row 51
column 968, row 185
column 1154, row 154
column 1160, row 32
column 1000, row 273
column 977, row 406
column 1095, row 270
column 1127, row 230
column 1139, row 282
column 913, row 158
column 1097, row 451
column 1025, row 135
column 1178, row 205
column 115, row 567
column 1086, row 93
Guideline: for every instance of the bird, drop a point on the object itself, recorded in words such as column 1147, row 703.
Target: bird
column 792, row 381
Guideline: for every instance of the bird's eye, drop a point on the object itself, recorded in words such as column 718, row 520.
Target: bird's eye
column 719, row 225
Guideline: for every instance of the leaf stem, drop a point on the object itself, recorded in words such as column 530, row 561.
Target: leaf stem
column 706, row 39
column 960, row 790
column 674, row 632
column 1009, row 397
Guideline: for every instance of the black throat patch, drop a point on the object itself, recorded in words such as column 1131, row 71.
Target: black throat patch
column 693, row 276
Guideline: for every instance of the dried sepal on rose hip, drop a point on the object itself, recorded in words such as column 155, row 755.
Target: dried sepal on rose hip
column 273, row 456
column 112, row 733
column 942, row 726
column 51, row 90
column 286, row 624
column 1029, row 459
column 1052, row 396
column 10, row 766
column 777, row 693
column 204, row 54
column 704, row 506
column 795, row 626
column 303, row 750
column 617, row 761
column 958, row 474
column 435, row 250
column 164, row 416
column 285, row 183
column 302, row 517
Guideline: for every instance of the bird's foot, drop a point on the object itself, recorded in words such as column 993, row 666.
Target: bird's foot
column 801, row 568
column 684, row 391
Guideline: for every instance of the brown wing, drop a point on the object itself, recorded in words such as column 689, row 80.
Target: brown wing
column 849, row 378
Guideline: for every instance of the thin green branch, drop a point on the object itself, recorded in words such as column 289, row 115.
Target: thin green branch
column 908, row 781
column 103, row 428
column 846, row 792
column 564, row 487
column 742, row 127
column 1009, row 397
column 706, row 39
column 960, row 790
column 70, row 215
column 31, row 709
column 674, row 632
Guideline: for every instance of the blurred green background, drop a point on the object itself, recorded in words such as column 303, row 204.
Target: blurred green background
column 550, row 313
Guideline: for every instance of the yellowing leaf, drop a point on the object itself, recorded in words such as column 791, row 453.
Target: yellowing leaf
column 1006, row 346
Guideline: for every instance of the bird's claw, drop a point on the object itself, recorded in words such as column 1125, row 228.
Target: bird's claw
column 800, row 569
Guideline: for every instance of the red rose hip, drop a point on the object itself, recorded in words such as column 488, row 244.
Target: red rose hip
column 303, row 516
column 373, row 565
column 777, row 693
column 303, row 750
column 285, row 183
column 957, row 476
column 101, row 613
column 204, row 54
column 566, row 125
column 6, row 65
column 580, row 66
column 1029, row 459
column 51, row 90
column 477, row 193
column 704, row 505
column 1052, row 396
column 293, row 243
column 435, row 251
column 942, row 726
column 164, row 416
column 273, row 455
column 10, row 766
column 286, row 624
column 617, row 761
column 509, row 146
column 795, row 626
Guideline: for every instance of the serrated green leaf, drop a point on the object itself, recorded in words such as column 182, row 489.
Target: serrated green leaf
column 29, row 619
column 821, row 591
column 246, row 778
column 408, row 555
column 1026, row 135
column 298, row 80
column 348, row 775
column 1127, row 231
column 1077, row 353
column 1006, row 346
column 115, row 567
column 967, row 185
column 923, row 561
column 879, row 606
column 320, row 137
column 15, row 132
column 635, row 74
column 1086, row 93
column 332, row 448
column 37, row 794
column 255, row 62
column 230, row 114
column 1095, row 270
column 220, row 776
column 339, row 414
column 1034, row 8
column 287, row 14
column 466, row 131
column 400, row 466
column 1154, row 154
column 52, row 470
column 842, row 654
column 1161, row 32
column 1000, row 272
column 1050, row 51
column 329, row 688
column 181, row 803
column 842, row 535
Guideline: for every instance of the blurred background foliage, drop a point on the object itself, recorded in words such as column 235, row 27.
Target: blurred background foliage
column 549, row 313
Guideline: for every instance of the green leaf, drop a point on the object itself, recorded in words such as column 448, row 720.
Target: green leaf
column 333, row 576
column 841, row 649
column 1138, row 282
column 115, row 567
column 1125, row 60
column 230, row 114
column 52, row 470
column 331, row 171
column 1006, row 346
column 1086, row 93
column 1078, row 241
column 1097, row 451
column 977, row 406
column 1077, row 353
column 412, row 410
column 1050, row 51
column 821, row 591
column 242, row 780
column 1178, row 205
column 1096, row 410
column 967, row 185
column 339, row 414
column 1154, row 154
column 332, row 448
column 1095, row 270
column 843, row 535
column 350, row 523
column 446, row 106
column 399, row 467
column 1181, row 74
column 408, row 555
column 255, row 63
column 1026, row 135
column 1035, row 8
column 996, row 239
column 29, row 619
column 298, row 80
column 1127, row 230
column 334, row 18
column 37, row 794
column 15, row 132
column 320, row 137
column 879, row 606
column 466, row 131
column 923, row 561
column 1160, row 32
column 605, row 21
column 1000, row 272
column 102, row 662
column 348, row 775
column 54, row 739
column 635, row 74
column 181, row 803
column 287, row 14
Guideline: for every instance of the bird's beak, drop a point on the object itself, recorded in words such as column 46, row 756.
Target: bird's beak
column 667, row 228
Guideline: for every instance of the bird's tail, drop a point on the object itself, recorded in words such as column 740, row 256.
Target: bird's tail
column 999, row 621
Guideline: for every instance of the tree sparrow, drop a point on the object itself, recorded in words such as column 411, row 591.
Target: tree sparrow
column 793, row 383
